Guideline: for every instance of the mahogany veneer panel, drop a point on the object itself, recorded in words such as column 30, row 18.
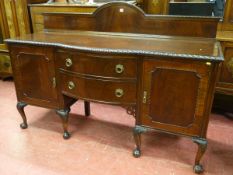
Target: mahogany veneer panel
column 122, row 14
column 183, row 87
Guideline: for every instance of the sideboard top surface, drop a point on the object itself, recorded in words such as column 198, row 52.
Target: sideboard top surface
column 120, row 43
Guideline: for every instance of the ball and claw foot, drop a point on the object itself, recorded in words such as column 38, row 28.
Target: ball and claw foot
column 23, row 125
column 66, row 135
column 198, row 169
column 136, row 153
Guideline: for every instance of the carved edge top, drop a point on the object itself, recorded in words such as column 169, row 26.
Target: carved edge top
column 121, row 51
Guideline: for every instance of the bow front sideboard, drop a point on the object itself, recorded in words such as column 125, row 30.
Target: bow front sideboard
column 161, row 69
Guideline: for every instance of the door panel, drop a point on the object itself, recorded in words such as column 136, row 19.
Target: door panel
column 34, row 75
column 179, row 81
column 176, row 94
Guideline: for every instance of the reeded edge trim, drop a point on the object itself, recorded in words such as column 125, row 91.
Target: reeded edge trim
column 117, row 51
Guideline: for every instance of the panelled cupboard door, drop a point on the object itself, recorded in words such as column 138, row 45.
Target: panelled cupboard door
column 34, row 75
column 174, row 95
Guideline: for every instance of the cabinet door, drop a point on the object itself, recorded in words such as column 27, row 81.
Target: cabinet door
column 175, row 95
column 34, row 75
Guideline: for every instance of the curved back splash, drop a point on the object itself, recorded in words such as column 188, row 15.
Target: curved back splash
column 127, row 18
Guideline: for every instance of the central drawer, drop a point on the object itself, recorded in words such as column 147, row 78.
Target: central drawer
column 98, row 65
column 107, row 91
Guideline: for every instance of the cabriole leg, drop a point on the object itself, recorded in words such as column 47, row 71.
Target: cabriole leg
column 64, row 114
column 137, row 131
column 137, row 139
column 87, row 108
column 20, row 108
column 202, row 145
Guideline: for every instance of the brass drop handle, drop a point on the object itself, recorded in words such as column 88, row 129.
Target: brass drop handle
column 71, row 85
column 119, row 68
column 68, row 62
column 119, row 93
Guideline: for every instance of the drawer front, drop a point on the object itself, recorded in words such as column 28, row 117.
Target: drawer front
column 107, row 91
column 98, row 65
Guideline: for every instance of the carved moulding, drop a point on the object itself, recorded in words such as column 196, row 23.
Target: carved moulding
column 131, row 110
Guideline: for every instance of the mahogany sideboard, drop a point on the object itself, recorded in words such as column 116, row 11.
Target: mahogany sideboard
column 164, row 75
